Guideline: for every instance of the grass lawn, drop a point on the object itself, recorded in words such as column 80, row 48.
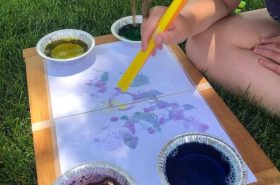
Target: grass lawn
column 24, row 22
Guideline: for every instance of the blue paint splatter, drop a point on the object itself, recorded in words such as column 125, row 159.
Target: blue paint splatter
column 130, row 140
column 188, row 106
column 140, row 80
column 124, row 118
column 145, row 95
column 105, row 77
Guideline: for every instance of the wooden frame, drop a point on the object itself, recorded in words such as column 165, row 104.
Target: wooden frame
column 46, row 156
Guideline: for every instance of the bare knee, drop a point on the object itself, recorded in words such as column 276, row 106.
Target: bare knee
column 231, row 32
column 197, row 53
column 202, row 50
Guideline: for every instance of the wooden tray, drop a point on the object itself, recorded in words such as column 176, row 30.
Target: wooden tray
column 46, row 157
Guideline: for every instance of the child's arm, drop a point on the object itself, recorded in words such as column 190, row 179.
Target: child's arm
column 200, row 14
column 195, row 17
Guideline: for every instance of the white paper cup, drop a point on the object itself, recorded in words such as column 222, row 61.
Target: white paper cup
column 61, row 34
column 122, row 22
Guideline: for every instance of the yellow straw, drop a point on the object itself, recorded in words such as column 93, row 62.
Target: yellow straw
column 171, row 13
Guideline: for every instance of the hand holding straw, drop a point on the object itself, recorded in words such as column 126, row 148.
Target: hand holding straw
column 170, row 15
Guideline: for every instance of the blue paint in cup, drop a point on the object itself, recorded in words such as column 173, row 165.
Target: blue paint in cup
column 197, row 164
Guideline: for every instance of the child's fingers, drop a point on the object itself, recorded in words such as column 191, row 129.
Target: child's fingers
column 148, row 26
column 273, row 47
column 159, row 47
column 154, row 52
column 267, row 40
column 167, row 37
column 146, row 33
column 269, row 54
column 270, row 65
column 159, row 40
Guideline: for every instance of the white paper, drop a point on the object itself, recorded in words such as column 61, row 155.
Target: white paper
column 95, row 122
column 93, row 88
column 133, row 139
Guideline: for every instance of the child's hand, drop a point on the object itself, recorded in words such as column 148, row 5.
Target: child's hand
column 270, row 50
column 176, row 33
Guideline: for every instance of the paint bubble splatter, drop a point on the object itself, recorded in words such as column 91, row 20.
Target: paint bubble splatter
column 203, row 127
column 102, row 90
column 146, row 95
column 89, row 83
column 188, row 106
column 124, row 118
column 99, row 84
column 131, row 126
column 130, row 140
column 151, row 130
column 149, row 109
column 114, row 119
column 140, row 80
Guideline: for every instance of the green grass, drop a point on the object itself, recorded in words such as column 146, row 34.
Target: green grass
column 23, row 23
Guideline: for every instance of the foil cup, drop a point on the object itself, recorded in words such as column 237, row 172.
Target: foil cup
column 94, row 172
column 62, row 34
column 122, row 22
column 235, row 160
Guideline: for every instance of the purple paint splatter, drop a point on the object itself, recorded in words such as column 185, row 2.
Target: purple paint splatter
column 131, row 126
column 89, row 83
column 149, row 109
column 99, row 84
column 151, row 130
column 102, row 90
column 114, row 119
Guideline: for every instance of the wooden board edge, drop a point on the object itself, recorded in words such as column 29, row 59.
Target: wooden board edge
column 105, row 39
column 37, row 89
column 268, row 177
column 28, row 52
column 53, row 132
column 45, row 149
column 46, row 158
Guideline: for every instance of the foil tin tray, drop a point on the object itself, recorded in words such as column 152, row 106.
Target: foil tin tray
column 239, row 173
column 94, row 172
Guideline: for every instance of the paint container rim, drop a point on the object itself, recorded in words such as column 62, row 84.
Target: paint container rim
column 122, row 22
column 85, row 37
column 94, row 166
column 219, row 144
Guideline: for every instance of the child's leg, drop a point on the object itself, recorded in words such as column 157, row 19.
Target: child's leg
column 224, row 51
